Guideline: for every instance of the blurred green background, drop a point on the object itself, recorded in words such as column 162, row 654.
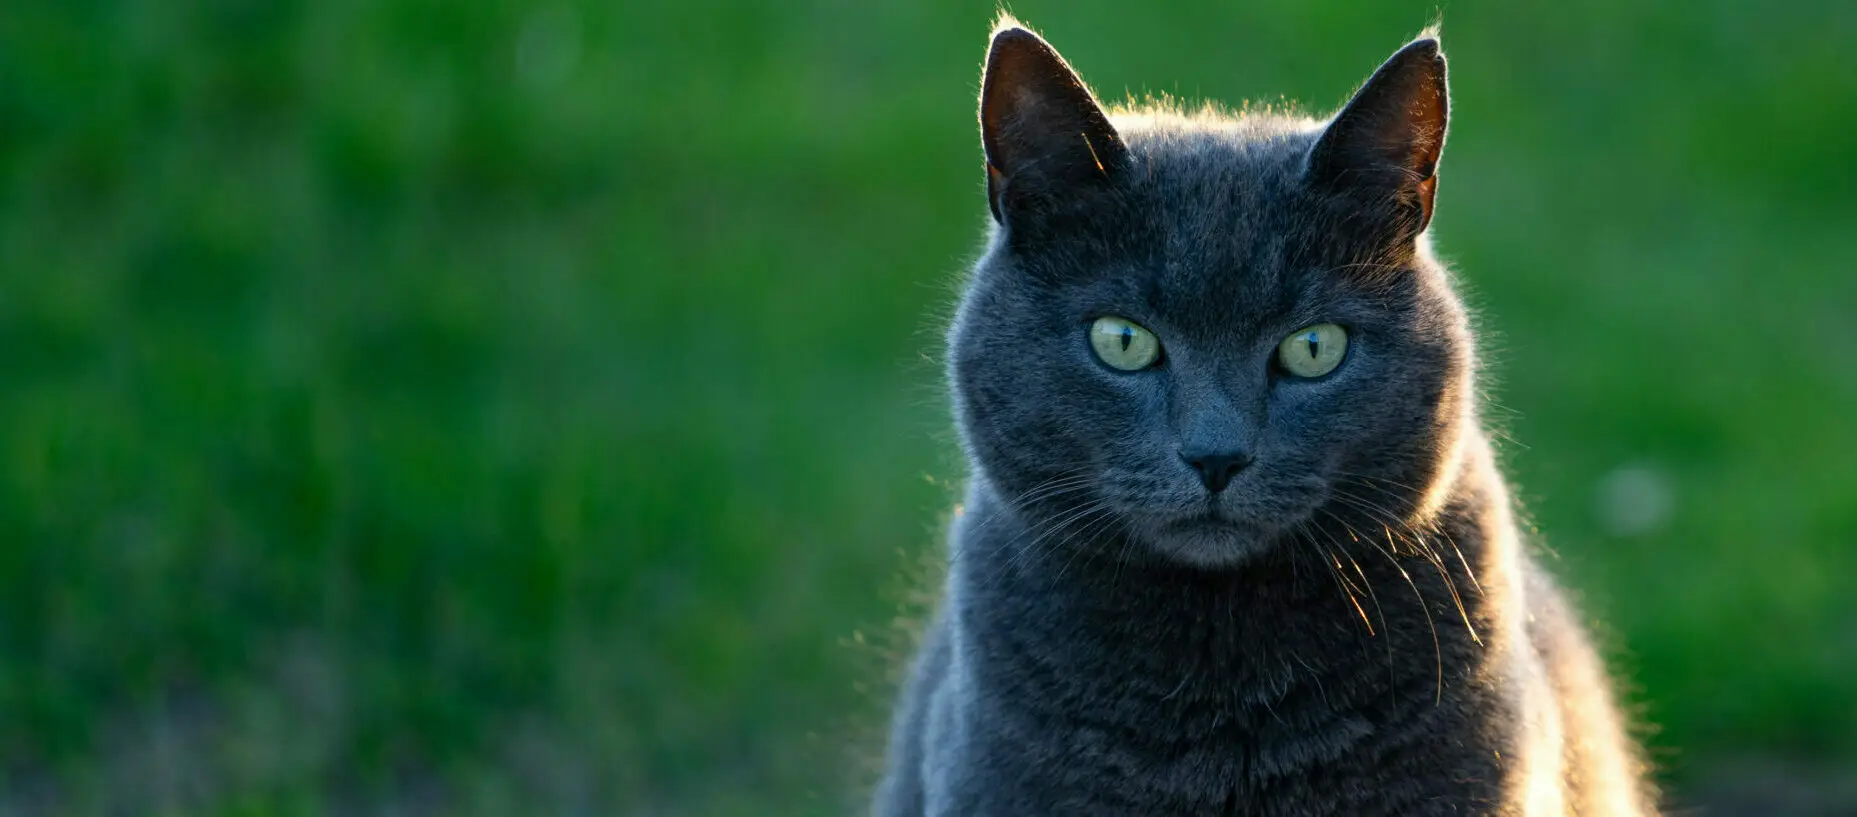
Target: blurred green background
column 419, row 407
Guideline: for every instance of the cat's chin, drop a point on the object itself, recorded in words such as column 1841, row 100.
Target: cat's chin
column 1211, row 543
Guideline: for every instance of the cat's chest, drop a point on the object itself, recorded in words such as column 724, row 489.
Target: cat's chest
column 1097, row 769
column 1207, row 744
column 1191, row 727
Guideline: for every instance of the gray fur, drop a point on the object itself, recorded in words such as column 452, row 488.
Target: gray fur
column 1363, row 633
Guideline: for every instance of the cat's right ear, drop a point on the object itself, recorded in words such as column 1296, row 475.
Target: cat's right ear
column 1045, row 136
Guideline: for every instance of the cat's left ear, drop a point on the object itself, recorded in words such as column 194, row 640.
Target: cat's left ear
column 1385, row 144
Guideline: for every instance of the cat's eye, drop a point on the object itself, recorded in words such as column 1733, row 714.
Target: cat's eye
column 1313, row 351
column 1124, row 344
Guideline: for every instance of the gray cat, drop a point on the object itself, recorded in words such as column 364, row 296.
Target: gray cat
column 1234, row 542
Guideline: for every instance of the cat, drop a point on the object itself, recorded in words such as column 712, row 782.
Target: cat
column 1234, row 542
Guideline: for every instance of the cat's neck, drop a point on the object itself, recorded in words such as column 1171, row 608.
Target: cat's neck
column 1354, row 610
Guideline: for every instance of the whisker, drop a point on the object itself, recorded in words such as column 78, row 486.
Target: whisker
column 1368, row 583
column 1437, row 646
column 1341, row 582
column 1370, row 482
column 1351, row 597
column 1420, row 544
column 1031, row 550
column 1082, row 537
column 1385, row 517
column 1058, row 485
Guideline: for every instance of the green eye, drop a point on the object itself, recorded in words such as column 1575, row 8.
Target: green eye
column 1124, row 345
column 1313, row 351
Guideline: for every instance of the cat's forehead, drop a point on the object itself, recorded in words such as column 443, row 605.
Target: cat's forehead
column 1216, row 210
column 1194, row 179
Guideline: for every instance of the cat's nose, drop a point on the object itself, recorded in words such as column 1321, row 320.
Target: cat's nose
column 1216, row 469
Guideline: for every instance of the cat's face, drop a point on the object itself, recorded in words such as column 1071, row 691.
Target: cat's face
column 1206, row 347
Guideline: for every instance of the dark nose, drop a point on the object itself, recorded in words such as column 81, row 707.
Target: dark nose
column 1217, row 470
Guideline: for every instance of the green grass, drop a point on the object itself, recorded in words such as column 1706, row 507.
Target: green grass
column 483, row 408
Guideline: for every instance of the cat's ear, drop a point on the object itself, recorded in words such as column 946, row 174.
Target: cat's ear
column 1385, row 144
column 1044, row 134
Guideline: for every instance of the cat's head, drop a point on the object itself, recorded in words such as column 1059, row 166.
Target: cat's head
column 1206, row 333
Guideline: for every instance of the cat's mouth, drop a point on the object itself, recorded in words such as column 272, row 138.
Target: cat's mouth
column 1211, row 521
column 1211, row 539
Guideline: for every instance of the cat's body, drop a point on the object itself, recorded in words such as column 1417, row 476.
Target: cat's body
column 1203, row 585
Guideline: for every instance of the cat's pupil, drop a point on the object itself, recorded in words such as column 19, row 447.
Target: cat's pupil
column 1128, row 337
column 1314, row 346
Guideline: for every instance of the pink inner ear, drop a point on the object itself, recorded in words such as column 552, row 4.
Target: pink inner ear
column 1426, row 189
column 1024, row 101
column 1427, row 115
column 1427, row 144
